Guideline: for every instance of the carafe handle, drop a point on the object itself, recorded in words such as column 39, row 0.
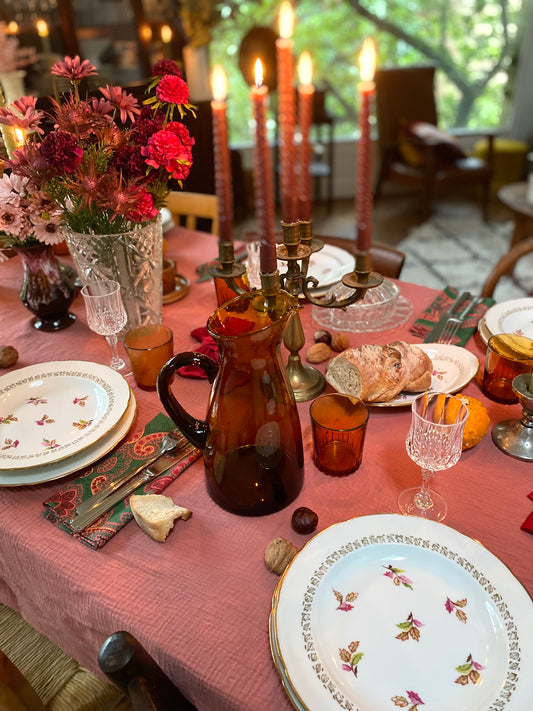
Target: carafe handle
column 195, row 430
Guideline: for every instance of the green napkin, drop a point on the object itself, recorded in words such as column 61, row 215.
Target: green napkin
column 425, row 322
column 61, row 507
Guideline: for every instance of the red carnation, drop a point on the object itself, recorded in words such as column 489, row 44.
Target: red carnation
column 165, row 150
column 166, row 66
column 172, row 90
column 59, row 149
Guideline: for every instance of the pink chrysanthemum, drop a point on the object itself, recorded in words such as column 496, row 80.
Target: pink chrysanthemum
column 12, row 221
column 125, row 103
column 46, row 228
column 165, row 150
column 166, row 66
column 12, row 189
column 60, row 150
column 73, row 69
column 172, row 90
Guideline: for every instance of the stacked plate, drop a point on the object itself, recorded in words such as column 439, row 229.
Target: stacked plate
column 58, row 417
column 515, row 316
column 395, row 611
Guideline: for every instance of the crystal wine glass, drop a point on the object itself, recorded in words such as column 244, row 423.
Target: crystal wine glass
column 434, row 442
column 106, row 314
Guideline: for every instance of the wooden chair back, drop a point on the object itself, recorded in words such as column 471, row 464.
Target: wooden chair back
column 193, row 207
column 403, row 94
column 505, row 265
column 386, row 260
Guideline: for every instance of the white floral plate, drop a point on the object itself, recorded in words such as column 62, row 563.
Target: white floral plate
column 515, row 316
column 57, row 470
column 453, row 368
column 329, row 265
column 389, row 611
column 51, row 411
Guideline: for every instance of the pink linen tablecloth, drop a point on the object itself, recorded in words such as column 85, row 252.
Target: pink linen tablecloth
column 200, row 602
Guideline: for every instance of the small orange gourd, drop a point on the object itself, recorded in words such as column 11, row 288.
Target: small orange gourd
column 477, row 422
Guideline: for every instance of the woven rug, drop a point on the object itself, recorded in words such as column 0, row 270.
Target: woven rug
column 462, row 250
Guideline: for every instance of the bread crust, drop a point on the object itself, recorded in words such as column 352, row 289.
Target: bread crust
column 376, row 373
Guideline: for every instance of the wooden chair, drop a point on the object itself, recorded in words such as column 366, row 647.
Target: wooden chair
column 506, row 265
column 130, row 667
column 194, row 207
column 386, row 260
column 405, row 95
column 36, row 675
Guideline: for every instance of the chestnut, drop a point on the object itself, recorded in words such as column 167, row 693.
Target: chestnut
column 322, row 337
column 304, row 520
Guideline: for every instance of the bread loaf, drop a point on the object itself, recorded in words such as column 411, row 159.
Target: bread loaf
column 376, row 373
column 156, row 514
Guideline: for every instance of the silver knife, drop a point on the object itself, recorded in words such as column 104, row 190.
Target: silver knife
column 179, row 440
column 81, row 521
column 439, row 326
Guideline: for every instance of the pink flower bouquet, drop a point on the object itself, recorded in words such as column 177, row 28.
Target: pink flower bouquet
column 101, row 164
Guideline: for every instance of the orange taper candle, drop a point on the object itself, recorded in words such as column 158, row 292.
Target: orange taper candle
column 364, row 167
column 223, row 180
column 263, row 183
column 306, row 92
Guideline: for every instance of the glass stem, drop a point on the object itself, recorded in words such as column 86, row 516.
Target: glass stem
column 422, row 498
column 116, row 361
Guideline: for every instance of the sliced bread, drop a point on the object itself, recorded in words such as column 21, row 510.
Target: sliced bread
column 156, row 514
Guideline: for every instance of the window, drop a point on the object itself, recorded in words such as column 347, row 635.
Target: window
column 474, row 43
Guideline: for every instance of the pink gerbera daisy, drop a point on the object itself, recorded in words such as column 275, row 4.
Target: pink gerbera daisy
column 74, row 69
column 122, row 101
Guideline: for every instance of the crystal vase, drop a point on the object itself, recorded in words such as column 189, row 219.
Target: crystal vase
column 134, row 259
column 47, row 291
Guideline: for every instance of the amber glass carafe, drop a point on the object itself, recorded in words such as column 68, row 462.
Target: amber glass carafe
column 251, row 437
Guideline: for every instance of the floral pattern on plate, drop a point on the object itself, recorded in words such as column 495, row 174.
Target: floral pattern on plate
column 40, row 411
column 401, row 643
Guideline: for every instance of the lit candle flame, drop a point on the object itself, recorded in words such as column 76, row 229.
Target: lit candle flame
column 13, row 27
column 367, row 60
column 305, row 69
column 258, row 70
column 146, row 33
column 19, row 137
column 166, row 33
column 219, row 83
column 42, row 28
column 286, row 20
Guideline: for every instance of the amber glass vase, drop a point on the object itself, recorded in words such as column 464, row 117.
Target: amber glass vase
column 251, row 437
column 47, row 291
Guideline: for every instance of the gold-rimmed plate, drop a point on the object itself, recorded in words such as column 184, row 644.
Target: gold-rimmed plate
column 390, row 611
column 50, row 411
column 76, row 462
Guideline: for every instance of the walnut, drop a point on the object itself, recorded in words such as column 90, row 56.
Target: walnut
column 340, row 341
column 8, row 356
column 278, row 555
column 318, row 353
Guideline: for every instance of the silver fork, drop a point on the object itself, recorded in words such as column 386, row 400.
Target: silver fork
column 453, row 324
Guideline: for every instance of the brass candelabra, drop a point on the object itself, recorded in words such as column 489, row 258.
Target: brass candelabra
column 298, row 245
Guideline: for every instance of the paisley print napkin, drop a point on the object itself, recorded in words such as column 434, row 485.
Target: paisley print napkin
column 61, row 507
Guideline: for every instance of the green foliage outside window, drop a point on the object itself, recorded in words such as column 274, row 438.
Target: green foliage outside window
column 474, row 44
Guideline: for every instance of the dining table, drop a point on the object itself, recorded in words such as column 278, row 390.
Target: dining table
column 200, row 601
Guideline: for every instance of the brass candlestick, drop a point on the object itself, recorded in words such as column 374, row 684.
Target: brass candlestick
column 229, row 271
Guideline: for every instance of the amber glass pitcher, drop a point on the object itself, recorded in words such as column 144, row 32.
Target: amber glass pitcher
column 251, row 437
